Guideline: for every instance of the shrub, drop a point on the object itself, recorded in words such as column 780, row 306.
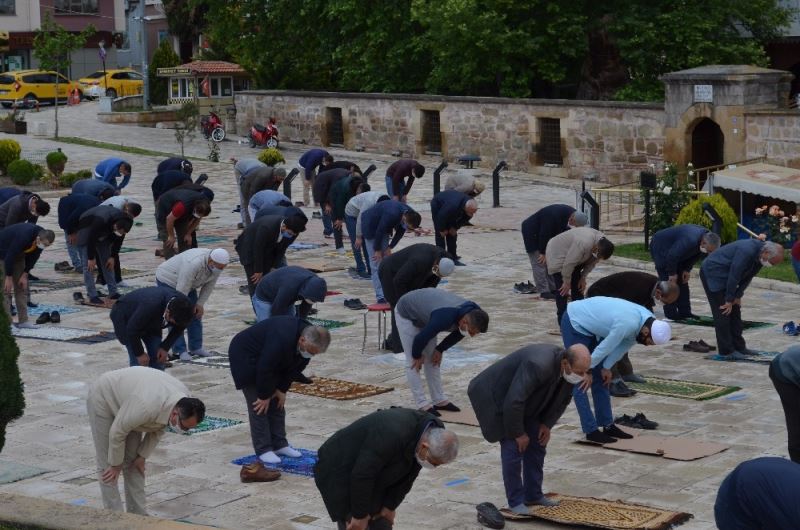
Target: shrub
column 271, row 157
column 163, row 57
column 672, row 193
column 12, row 398
column 56, row 162
column 66, row 180
column 693, row 213
column 22, row 172
column 9, row 151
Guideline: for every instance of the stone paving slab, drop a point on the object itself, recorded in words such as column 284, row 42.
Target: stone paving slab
column 185, row 472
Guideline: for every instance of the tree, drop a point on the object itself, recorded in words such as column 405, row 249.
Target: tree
column 12, row 398
column 186, row 123
column 53, row 46
column 164, row 57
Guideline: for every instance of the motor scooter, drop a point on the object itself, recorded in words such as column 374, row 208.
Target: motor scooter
column 212, row 127
column 261, row 136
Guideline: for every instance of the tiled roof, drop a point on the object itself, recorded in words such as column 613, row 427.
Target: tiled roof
column 214, row 67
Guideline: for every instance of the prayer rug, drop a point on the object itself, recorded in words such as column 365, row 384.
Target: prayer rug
column 338, row 389
column 49, row 308
column 328, row 324
column 297, row 466
column 212, row 423
column 14, row 472
column 297, row 245
column 670, row 447
column 203, row 241
column 682, row 389
column 319, row 265
column 601, row 513
column 124, row 250
column 40, row 286
column 708, row 322
column 465, row 417
column 764, row 357
column 106, row 303
column 453, row 358
column 63, row 334
column 218, row 360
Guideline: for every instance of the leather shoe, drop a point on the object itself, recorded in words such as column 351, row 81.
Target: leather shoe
column 303, row 380
column 44, row 318
column 489, row 516
column 616, row 432
column 634, row 378
column 55, row 317
column 449, row 408
column 256, row 472
column 620, row 389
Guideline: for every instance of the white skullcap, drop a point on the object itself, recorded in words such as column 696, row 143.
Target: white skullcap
column 221, row 256
column 660, row 331
column 446, row 267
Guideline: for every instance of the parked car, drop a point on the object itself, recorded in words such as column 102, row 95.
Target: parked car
column 117, row 83
column 31, row 87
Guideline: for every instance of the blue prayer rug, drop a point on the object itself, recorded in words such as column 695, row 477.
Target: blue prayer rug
column 207, row 240
column 763, row 357
column 296, row 466
column 49, row 308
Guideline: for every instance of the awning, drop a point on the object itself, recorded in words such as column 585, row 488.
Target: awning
column 778, row 182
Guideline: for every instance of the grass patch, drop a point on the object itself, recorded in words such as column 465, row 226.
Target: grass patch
column 783, row 272
column 118, row 147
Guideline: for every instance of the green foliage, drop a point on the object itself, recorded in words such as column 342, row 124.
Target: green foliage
column 213, row 151
column 56, row 157
column 12, row 398
column 513, row 48
column 164, row 57
column 186, row 124
column 693, row 213
column 9, row 151
column 672, row 193
column 271, row 157
column 66, row 180
column 23, row 172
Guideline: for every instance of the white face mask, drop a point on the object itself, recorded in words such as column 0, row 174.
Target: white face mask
column 41, row 246
column 197, row 215
column 119, row 233
column 573, row 378
column 594, row 255
column 304, row 354
column 765, row 263
column 425, row 463
column 309, row 302
column 464, row 331
column 704, row 250
column 175, row 428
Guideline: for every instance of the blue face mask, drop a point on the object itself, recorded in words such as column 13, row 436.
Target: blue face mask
column 286, row 235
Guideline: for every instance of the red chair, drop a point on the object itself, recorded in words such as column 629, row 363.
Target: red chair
column 381, row 309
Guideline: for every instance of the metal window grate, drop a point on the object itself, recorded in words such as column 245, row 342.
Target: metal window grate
column 431, row 132
column 550, row 140
column 334, row 126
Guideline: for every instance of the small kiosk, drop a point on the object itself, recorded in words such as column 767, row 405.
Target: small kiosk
column 207, row 83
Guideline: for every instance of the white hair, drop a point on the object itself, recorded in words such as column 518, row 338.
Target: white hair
column 772, row 249
column 442, row 444
column 317, row 336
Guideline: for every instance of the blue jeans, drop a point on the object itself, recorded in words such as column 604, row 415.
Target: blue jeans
column 194, row 329
column 389, row 186
column 523, row 472
column 327, row 222
column 600, row 394
column 73, row 252
column 103, row 253
column 361, row 256
column 151, row 345
column 376, row 281
column 796, row 266
column 263, row 309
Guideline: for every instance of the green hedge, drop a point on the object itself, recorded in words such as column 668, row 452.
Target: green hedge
column 12, row 398
column 693, row 213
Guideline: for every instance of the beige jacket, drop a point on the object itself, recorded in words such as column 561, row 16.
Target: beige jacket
column 138, row 399
column 187, row 271
column 570, row 249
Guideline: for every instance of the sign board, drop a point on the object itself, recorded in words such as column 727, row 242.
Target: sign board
column 176, row 70
column 4, row 44
column 703, row 93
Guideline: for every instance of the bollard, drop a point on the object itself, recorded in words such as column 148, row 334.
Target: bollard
column 647, row 192
column 594, row 214
column 368, row 172
column 287, row 182
column 437, row 176
column 496, row 183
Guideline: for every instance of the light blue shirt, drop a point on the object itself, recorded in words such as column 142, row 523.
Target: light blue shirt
column 267, row 198
column 614, row 321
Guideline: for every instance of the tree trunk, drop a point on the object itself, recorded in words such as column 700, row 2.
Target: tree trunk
column 603, row 71
column 55, row 102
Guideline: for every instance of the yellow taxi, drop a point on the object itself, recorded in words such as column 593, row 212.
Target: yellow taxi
column 117, row 83
column 30, row 87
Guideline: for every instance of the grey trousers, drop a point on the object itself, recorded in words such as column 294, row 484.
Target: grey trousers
column 268, row 431
column 134, row 481
column 20, row 295
column 544, row 282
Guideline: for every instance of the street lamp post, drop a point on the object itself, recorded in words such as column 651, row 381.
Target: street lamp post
column 103, row 58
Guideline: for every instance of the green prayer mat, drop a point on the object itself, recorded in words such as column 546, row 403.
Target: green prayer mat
column 123, row 250
column 327, row 324
column 13, row 471
column 212, row 423
column 682, row 389
column 708, row 322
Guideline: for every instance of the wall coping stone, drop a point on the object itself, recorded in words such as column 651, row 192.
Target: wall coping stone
column 457, row 99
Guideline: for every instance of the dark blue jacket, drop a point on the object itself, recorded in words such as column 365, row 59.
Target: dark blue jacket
column 287, row 285
column 284, row 211
column 7, row 193
column 138, row 316
column 171, row 164
column 731, row 267
column 447, row 210
column 14, row 241
column 108, row 171
column 760, row 494
column 312, row 158
column 167, row 180
column 92, row 187
column 70, row 209
column 265, row 355
column 544, row 225
column 379, row 221
column 325, row 181
column 442, row 319
column 677, row 249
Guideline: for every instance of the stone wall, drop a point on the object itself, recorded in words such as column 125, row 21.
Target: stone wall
column 612, row 140
column 774, row 135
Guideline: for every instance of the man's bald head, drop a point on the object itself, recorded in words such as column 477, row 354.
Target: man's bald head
column 579, row 359
column 471, row 206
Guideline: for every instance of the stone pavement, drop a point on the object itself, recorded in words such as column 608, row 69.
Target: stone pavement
column 191, row 478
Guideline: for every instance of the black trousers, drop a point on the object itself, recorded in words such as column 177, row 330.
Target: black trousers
column 375, row 524
column 728, row 328
column 115, row 249
column 577, row 294
column 790, row 399
column 392, row 296
column 448, row 243
column 622, row 368
column 682, row 307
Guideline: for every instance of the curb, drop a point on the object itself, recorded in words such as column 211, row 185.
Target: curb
column 31, row 512
column 761, row 283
